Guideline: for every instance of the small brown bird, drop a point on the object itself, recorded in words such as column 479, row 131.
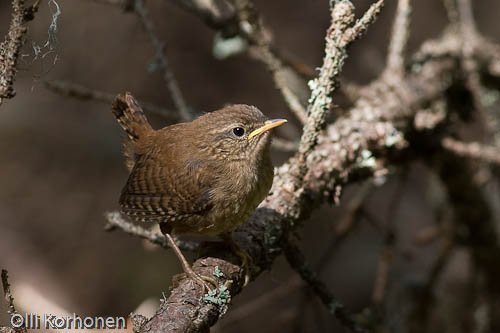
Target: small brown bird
column 203, row 177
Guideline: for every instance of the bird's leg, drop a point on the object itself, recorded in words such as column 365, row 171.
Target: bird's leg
column 246, row 260
column 203, row 281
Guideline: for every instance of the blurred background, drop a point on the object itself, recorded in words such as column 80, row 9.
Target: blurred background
column 62, row 168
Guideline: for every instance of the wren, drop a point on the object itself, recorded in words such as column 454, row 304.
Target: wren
column 203, row 177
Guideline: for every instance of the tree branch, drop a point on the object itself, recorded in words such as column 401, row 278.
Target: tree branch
column 11, row 46
column 168, row 75
column 82, row 92
column 10, row 300
column 252, row 29
column 399, row 39
column 297, row 261
column 339, row 35
column 115, row 220
column 472, row 150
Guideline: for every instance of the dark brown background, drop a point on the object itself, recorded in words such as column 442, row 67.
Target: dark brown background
column 61, row 166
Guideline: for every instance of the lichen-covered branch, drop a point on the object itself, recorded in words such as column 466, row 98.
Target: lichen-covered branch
column 340, row 34
column 399, row 39
column 11, row 46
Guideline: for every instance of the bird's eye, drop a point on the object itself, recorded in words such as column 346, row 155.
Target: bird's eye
column 238, row 131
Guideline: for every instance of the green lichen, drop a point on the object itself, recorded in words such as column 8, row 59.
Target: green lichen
column 219, row 296
column 489, row 97
column 393, row 138
column 217, row 272
column 367, row 159
column 224, row 48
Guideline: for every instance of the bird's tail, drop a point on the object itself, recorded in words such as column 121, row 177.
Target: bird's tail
column 131, row 117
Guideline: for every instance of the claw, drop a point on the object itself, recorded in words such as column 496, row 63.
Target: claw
column 206, row 282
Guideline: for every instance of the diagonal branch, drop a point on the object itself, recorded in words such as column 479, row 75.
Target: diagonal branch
column 11, row 46
column 252, row 29
column 218, row 14
column 399, row 39
column 168, row 75
column 297, row 261
column 10, row 302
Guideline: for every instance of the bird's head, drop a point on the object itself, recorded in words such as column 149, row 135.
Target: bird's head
column 237, row 132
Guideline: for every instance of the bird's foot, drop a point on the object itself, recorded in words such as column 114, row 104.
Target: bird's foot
column 246, row 264
column 206, row 282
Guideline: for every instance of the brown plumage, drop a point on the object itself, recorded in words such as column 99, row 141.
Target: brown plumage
column 203, row 177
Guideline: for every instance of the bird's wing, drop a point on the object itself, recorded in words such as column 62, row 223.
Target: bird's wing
column 167, row 185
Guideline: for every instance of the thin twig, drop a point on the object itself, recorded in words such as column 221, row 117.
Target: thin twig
column 344, row 227
column 424, row 306
column 297, row 261
column 10, row 301
column 71, row 89
column 352, row 211
column 6, row 292
column 399, row 39
column 125, row 4
column 451, row 11
column 115, row 220
column 264, row 300
column 387, row 253
column 252, row 29
column 218, row 14
column 11, row 46
column 168, row 75
column 473, row 150
column 470, row 40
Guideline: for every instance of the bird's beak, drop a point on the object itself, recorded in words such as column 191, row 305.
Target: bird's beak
column 269, row 124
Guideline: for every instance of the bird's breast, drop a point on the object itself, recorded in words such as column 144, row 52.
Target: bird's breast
column 236, row 195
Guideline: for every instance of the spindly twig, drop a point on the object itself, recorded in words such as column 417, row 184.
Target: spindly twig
column 475, row 150
column 297, row 261
column 115, row 220
column 387, row 254
column 82, row 92
column 252, row 29
column 162, row 62
column 6, row 292
column 11, row 46
column 399, row 39
column 10, row 303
